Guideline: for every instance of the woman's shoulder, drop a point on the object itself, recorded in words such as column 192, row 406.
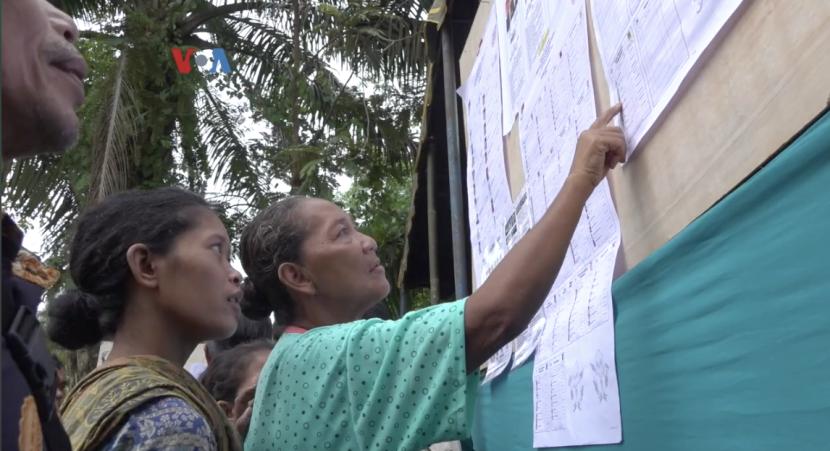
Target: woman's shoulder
column 324, row 342
column 133, row 402
column 167, row 423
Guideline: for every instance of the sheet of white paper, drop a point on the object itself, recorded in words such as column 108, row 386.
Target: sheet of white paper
column 576, row 399
column 514, row 57
column 488, row 193
column 648, row 47
column 575, row 347
column 572, row 335
column 493, row 145
column 517, row 224
column 597, row 226
column 614, row 95
column 539, row 25
column 536, row 193
column 498, row 363
column 559, row 105
column 578, row 327
column 525, row 344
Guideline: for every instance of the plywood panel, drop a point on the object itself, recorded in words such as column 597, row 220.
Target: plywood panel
column 766, row 78
column 760, row 85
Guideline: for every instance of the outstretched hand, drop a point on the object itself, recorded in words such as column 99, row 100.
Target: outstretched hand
column 600, row 148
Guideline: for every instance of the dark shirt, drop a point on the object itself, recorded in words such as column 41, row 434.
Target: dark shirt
column 16, row 291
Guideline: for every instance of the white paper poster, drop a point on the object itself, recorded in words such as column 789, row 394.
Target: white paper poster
column 648, row 47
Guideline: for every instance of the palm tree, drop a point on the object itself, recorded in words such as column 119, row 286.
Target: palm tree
column 322, row 125
column 147, row 125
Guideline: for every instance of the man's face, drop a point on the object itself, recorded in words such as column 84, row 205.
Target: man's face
column 42, row 79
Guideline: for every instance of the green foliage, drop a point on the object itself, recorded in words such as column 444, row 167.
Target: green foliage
column 380, row 208
column 419, row 298
column 145, row 125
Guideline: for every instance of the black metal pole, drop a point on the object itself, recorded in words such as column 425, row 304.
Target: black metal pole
column 459, row 239
column 432, row 229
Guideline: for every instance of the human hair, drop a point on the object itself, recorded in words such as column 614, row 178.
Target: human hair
column 247, row 330
column 278, row 330
column 274, row 237
column 226, row 371
column 97, row 258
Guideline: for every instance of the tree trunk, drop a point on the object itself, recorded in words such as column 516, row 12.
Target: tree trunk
column 298, row 7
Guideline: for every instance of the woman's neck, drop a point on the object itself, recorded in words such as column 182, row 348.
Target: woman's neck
column 147, row 333
column 312, row 314
column 128, row 344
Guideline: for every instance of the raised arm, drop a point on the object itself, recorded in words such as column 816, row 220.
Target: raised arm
column 504, row 305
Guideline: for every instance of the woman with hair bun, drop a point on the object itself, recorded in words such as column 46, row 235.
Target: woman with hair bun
column 335, row 382
column 152, row 273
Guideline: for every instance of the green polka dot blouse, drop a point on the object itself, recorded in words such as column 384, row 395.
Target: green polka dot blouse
column 367, row 385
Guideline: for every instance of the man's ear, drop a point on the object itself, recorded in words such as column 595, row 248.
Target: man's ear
column 226, row 407
column 142, row 266
column 294, row 277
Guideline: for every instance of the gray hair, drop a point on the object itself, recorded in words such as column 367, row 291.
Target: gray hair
column 274, row 237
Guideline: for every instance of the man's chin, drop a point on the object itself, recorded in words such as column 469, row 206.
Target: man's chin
column 68, row 136
column 58, row 132
column 45, row 133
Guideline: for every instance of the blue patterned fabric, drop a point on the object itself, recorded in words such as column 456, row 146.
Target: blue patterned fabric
column 164, row 424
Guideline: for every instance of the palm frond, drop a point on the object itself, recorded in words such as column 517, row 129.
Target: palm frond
column 195, row 161
column 233, row 159
column 112, row 151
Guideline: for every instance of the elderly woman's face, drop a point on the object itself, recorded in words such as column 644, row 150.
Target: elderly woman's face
column 341, row 261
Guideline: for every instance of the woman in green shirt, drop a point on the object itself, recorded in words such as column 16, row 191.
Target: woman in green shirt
column 336, row 382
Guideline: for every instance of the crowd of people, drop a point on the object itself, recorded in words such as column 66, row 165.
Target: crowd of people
column 152, row 272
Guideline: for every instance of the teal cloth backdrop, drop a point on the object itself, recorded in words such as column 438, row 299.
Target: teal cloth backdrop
column 723, row 334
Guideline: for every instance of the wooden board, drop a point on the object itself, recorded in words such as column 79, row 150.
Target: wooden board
column 766, row 78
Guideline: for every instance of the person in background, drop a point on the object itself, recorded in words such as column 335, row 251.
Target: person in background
column 152, row 271
column 247, row 330
column 60, row 383
column 336, row 382
column 232, row 376
column 42, row 88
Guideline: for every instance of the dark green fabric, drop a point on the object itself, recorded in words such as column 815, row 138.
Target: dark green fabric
column 723, row 334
